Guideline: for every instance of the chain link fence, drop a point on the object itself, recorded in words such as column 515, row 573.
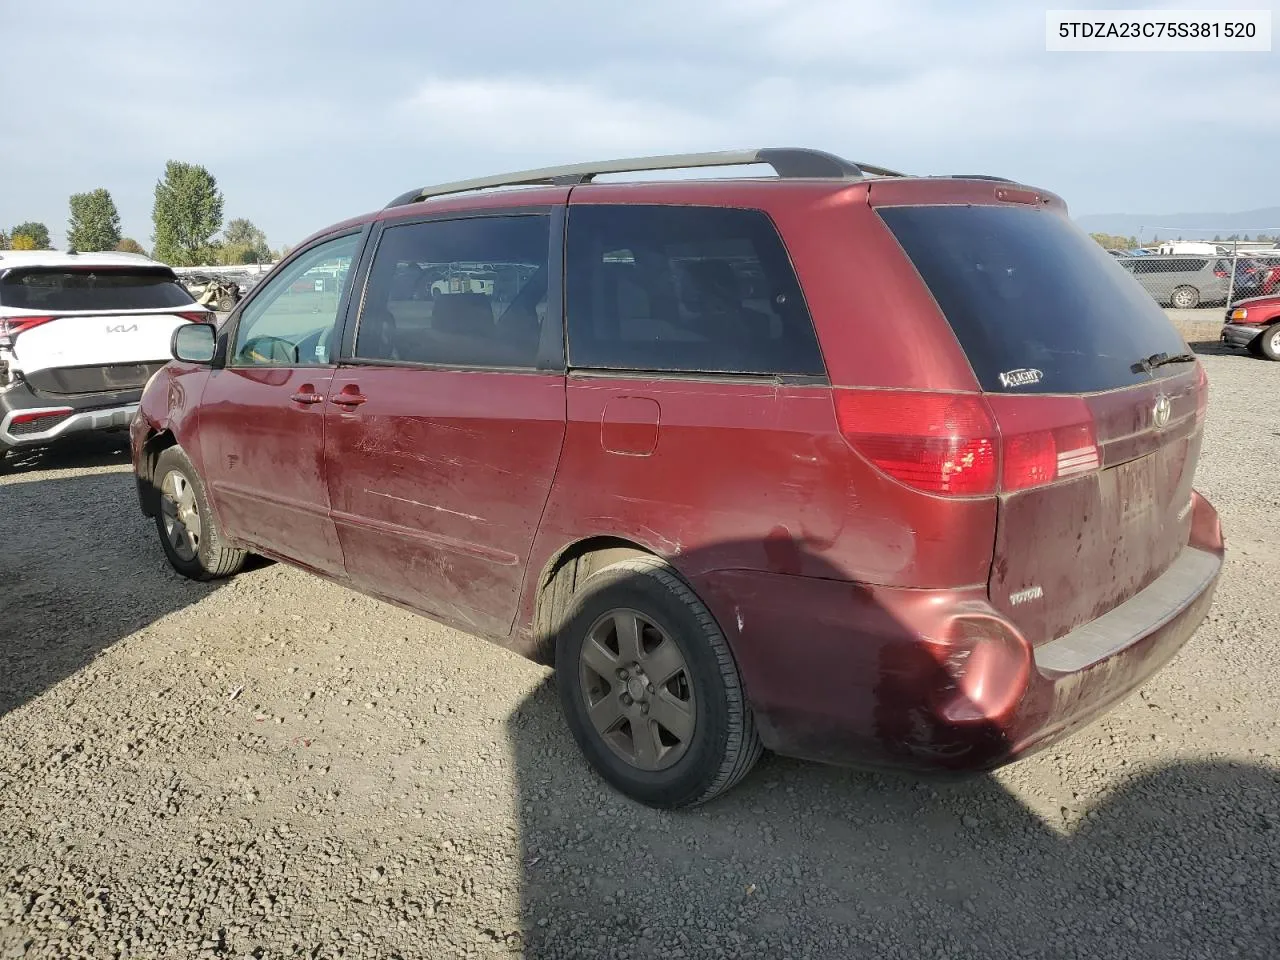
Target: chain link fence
column 1221, row 278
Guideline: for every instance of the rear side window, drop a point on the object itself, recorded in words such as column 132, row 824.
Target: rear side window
column 1036, row 304
column 684, row 289
column 470, row 292
column 59, row 290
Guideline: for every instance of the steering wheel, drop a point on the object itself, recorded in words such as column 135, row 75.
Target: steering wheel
column 266, row 349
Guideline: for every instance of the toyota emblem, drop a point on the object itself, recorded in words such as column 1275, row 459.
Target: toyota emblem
column 1160, row 412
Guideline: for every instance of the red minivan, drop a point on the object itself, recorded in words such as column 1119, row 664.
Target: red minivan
column 856, row 466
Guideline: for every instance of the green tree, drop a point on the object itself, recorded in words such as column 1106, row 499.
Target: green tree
column 187, row 213
column 1113, row 241
column 129, row 245
column 4, row 240
column 94, row 223
column 239, row 253
column 242, row 232
column 34, row 231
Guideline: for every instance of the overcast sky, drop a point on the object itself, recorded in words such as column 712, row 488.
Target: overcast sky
column 308, row 111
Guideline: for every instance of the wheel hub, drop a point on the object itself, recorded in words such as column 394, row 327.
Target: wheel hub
column 637, row 690
column 637, row 687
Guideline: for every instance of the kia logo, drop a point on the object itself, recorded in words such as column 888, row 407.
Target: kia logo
column 1160, row 412
column 121, row 328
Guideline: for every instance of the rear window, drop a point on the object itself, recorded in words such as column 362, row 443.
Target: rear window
column 684, row 289
column 1036, row 304
column 59, row 290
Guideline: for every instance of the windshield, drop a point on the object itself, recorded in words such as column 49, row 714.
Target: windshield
column 1036, row 304
column 106, row 288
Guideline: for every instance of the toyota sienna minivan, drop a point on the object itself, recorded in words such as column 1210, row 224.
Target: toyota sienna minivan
column 847, row 464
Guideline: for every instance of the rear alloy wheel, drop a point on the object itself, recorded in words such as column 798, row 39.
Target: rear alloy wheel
column 1186, row 298
column 1269, row 342
column 650, row 689
column 188, row 529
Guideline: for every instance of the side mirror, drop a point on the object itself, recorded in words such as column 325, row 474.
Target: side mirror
column 193, row 343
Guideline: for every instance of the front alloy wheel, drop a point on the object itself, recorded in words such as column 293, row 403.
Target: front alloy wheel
column 189, row 533
column 180, row 514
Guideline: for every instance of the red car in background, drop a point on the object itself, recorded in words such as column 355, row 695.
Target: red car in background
column 1255, row 325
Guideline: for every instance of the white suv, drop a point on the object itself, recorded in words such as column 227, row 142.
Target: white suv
column 80, row 336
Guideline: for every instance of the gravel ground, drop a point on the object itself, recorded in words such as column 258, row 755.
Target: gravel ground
column 277, row 767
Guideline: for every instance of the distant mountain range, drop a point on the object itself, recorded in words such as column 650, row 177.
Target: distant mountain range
column 1188, row 226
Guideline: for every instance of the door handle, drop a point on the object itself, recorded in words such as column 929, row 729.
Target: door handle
column 349, row 396
column 307, row 394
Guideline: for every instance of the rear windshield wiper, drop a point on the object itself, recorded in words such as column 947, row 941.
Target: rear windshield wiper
column 1147, row 364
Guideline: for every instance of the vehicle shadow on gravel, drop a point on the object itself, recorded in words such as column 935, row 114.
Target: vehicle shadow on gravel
column 81, row 569
column 107, row 450
column 806, row 860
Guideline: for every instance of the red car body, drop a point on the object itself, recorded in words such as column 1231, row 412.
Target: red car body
column 873, row 622
column 1254, row 324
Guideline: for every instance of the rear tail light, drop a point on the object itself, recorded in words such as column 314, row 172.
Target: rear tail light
column 937, row 442
column 1220, row 273
column 197, row 316
column 1044, row 439
column 969, row 444
column 56, row 413
column 10, row 327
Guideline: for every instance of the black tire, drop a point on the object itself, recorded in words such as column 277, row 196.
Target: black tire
column 1269, row 342
column 1190, row 297
column 724, row 744
column 212, row 558
column 226, row 303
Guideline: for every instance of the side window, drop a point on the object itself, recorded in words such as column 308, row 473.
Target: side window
column 290, row 323
column 470, row 292
column 684, row 289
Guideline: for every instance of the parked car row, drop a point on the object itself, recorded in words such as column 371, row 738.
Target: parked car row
column 1186, row 282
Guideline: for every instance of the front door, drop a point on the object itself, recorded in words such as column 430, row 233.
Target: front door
column 262, row 414
column 445, row 421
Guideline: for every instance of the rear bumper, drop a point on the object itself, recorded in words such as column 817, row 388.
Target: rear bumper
column 29, row 419
column 1240, row 334
column 939, row 680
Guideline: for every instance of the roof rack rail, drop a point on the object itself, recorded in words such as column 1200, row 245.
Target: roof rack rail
column 787, row 162
column 978, row 176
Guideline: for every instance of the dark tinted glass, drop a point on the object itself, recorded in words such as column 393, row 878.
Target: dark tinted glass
column 468, row 293
column 1024, row 289
column 688, row 289
column 57, row 290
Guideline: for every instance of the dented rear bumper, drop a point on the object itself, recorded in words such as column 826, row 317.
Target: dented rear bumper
column 938, row 679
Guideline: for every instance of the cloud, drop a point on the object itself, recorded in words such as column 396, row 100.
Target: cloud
column 310, row 112
column 515, row 113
